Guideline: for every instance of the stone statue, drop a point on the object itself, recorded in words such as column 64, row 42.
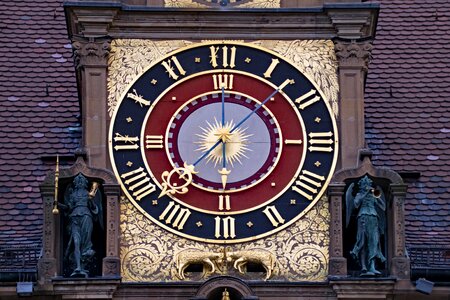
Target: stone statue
column 82, row 208
column 370, row 205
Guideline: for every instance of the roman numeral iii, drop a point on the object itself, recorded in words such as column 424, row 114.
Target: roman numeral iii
column 307, row 184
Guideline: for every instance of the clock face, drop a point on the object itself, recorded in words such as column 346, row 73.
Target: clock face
column 223, row 142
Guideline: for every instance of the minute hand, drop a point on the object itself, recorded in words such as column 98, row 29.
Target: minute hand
column 286, row 82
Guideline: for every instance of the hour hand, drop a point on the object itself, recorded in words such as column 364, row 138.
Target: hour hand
column 224, row 174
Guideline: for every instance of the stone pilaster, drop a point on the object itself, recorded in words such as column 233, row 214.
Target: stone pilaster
column 48, row 264
column 111, row 263
column 338, row 263
column 91, row 61
column 353, row 59
column 400, row 264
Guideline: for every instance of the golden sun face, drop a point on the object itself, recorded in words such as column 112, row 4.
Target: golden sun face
column 235, row 142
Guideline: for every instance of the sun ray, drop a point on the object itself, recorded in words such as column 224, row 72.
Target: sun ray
column 237, row 142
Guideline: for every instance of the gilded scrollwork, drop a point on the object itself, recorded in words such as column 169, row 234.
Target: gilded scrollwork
column 149, row 253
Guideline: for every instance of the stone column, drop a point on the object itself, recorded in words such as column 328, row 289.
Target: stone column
column 353, row 59
column 111, row 263
column 338, row 263
column 91, row 61
column 400, row 264
column 47, row 265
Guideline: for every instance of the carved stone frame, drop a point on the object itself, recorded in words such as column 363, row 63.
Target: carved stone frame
column 50, row 263
column 398, row 262
column 223, row 282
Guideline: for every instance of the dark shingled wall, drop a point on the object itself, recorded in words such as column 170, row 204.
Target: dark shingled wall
column 408, row 110
column 38, row 104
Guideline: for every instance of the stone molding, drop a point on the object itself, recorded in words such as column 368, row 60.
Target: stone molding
column 353, row 53
column 50, row 263
column 91, row 52
column 395, row 193
column 223, row 282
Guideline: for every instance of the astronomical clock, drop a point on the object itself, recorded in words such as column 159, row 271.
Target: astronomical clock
column 217, row 146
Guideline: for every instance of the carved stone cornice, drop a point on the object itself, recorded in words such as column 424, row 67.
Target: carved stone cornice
column 91, row 52
column 353, row 22
column 353, row 53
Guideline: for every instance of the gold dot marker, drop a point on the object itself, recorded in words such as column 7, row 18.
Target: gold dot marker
column 174, row 98
column 272, row 99
column 249, row 224
column 154, row 81
column 129, row 119
column 293, row 202
column 129, row 163
column 197, row 59
column 154, row 202
column 248, row 60
column 199, row 224
column 317, row 120
column 317, row 164
column 273, row 184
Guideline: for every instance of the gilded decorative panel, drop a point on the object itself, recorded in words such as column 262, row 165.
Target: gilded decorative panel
column 149, row 253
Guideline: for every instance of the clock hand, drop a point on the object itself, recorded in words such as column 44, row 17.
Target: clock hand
column 286, row 82
column 224, row 172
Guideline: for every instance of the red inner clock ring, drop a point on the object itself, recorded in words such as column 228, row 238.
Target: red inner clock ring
column 285, row 170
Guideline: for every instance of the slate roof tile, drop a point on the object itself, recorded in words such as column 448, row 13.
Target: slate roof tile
column 39, row 102
column 407, row 109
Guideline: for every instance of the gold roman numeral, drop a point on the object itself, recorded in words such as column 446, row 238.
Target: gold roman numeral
column 170, row 70
column 139, row 183
column 307, row 184
column 271, row 67
column 138, row 98
column 320, row 141
column 227, row 60
column 224, row 202
column 129, row 142
column 273, row 215
column 225, row 227
column 175, row 213
column 154, row 142
column 307, row 99
column 223, row 80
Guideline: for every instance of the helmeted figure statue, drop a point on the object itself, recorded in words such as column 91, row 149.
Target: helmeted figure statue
column 370, row 205
column 82, row 208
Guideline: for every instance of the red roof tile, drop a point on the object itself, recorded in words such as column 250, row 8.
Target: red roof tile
column 407, row 109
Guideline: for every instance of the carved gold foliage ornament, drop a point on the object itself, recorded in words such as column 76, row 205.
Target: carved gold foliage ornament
column 235, row 3
column 149, row 253
column 129, row 58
